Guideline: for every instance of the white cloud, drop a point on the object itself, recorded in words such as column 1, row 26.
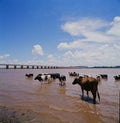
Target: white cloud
column 50, row 56
column 115, row 27
column 98, row 42
column 37, row 50
column 71, row 45
column 116, row 46
column 51, row 60
column 69, row 54
column 92, row 30
column 103, row 55
column 4, row 56
column 81, row 27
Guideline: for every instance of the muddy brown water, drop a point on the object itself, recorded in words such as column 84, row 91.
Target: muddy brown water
column 55, row 103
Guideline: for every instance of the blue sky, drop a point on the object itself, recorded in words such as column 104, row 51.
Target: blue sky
column 60, row 32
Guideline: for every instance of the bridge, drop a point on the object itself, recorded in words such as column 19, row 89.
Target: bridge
column 20, row 66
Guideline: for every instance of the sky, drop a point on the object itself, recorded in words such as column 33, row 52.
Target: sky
column 60, row 32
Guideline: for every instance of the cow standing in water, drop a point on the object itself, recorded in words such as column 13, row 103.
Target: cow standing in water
column 88, row 84
column 62, row 80
column 29, row 75
column 43, row 77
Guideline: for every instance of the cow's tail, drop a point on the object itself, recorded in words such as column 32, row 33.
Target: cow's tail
column 98, row 95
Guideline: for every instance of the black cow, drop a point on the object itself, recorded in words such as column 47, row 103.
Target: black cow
column 117, row 77
column 29, row 75
column 88, row 84
column 73, row 74
column 104, row 76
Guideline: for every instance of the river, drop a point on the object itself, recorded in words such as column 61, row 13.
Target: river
column 60, row 104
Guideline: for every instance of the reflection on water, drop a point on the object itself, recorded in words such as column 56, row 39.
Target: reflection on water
column 61, row 103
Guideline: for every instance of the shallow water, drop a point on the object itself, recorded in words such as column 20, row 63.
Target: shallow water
column 61, row 102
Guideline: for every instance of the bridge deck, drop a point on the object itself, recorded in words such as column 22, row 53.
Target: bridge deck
column 19, row 66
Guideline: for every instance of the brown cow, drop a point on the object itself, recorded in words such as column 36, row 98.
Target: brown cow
column 88, row 84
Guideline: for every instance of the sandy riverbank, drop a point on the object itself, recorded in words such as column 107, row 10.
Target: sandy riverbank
column 17, row 115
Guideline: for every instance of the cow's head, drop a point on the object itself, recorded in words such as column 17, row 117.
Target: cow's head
column 36, row 78
column 76, row 81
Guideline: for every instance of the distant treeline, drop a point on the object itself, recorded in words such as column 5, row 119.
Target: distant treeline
column 106, row 67
column 77, row 67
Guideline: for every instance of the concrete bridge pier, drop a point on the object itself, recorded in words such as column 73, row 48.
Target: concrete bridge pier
column 7, row 66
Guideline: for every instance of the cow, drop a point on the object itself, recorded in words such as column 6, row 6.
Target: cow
column 29, row 75
column 117, row 77
column 43, row 77
column 62, row 80
column 88, row 84
column 104, row 76
column 55, row 75
column 73, row 74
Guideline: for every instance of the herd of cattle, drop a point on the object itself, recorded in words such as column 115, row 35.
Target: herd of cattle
column 87, row 83
column 49, row 77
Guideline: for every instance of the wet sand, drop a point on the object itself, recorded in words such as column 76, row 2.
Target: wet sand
column 16, row 115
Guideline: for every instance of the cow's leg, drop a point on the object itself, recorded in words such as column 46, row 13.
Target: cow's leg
column 94, row 97
column 82, row 93
column 87, row 94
